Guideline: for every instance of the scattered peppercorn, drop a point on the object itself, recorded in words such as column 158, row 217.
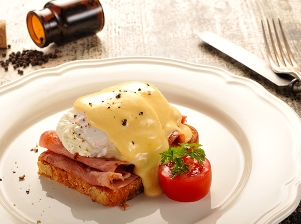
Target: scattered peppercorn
column 141, row 113
column 26, row 58
column 22, row 177
column 27, row 191
column 125, row 206
column 0, row 179
column 35, row 149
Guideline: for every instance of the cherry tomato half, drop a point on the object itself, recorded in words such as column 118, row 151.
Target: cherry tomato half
column 190, row 186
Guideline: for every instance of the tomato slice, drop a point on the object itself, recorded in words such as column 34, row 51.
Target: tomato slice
column 190, row 186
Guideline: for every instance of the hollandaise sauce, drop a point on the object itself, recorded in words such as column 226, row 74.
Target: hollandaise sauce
column 138, row 120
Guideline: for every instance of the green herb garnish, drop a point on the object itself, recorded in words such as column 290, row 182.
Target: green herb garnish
column 174, row 156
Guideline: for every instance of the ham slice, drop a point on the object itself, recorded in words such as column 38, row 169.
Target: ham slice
column 111, row 173
column 176, row 138
column 173, row 137
column 92, row 176
column 51, row 141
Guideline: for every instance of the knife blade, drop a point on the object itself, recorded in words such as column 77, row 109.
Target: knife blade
column 248, row 59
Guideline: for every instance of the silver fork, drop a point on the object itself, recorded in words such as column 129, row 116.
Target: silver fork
column 280, row 61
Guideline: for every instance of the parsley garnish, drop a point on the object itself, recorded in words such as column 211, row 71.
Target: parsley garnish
column 174, row 155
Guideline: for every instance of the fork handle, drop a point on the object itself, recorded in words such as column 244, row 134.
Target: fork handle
column 297, row 75
column 296, row 83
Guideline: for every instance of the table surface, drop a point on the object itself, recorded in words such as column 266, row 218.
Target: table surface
column 166, row 29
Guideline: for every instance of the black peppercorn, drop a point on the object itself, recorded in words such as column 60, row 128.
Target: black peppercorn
column 124, row 121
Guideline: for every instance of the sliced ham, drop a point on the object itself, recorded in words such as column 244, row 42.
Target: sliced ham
column 176, row 138
column 92, row 176
column 173, row 136
column 51, row 141
column 111, row 173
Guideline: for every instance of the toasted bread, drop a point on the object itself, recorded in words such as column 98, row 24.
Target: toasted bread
column 101, row 195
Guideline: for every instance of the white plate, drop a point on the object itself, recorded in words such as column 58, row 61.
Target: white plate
column 251, row 138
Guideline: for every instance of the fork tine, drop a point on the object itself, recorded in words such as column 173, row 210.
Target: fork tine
column 265, row 40
column 273, row 45
column 288, row 50
column 279, row 44
column 278, row 65
column 269, row 54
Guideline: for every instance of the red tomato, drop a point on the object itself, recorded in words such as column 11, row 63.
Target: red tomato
column 190, row 186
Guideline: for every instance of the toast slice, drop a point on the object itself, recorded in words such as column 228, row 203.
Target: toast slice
column 101, row 195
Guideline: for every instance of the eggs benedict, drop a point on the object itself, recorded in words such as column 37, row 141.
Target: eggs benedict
column 127, row 125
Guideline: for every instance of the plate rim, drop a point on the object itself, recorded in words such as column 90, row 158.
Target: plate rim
column 256, row 87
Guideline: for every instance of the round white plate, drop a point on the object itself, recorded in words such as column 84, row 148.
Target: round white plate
column 251, row 138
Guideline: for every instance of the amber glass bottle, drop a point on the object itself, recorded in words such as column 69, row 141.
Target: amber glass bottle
column 62, row 21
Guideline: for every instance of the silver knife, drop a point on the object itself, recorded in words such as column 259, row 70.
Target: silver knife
column 248, row 59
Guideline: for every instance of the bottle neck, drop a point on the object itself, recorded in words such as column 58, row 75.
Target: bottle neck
column 43, row 27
